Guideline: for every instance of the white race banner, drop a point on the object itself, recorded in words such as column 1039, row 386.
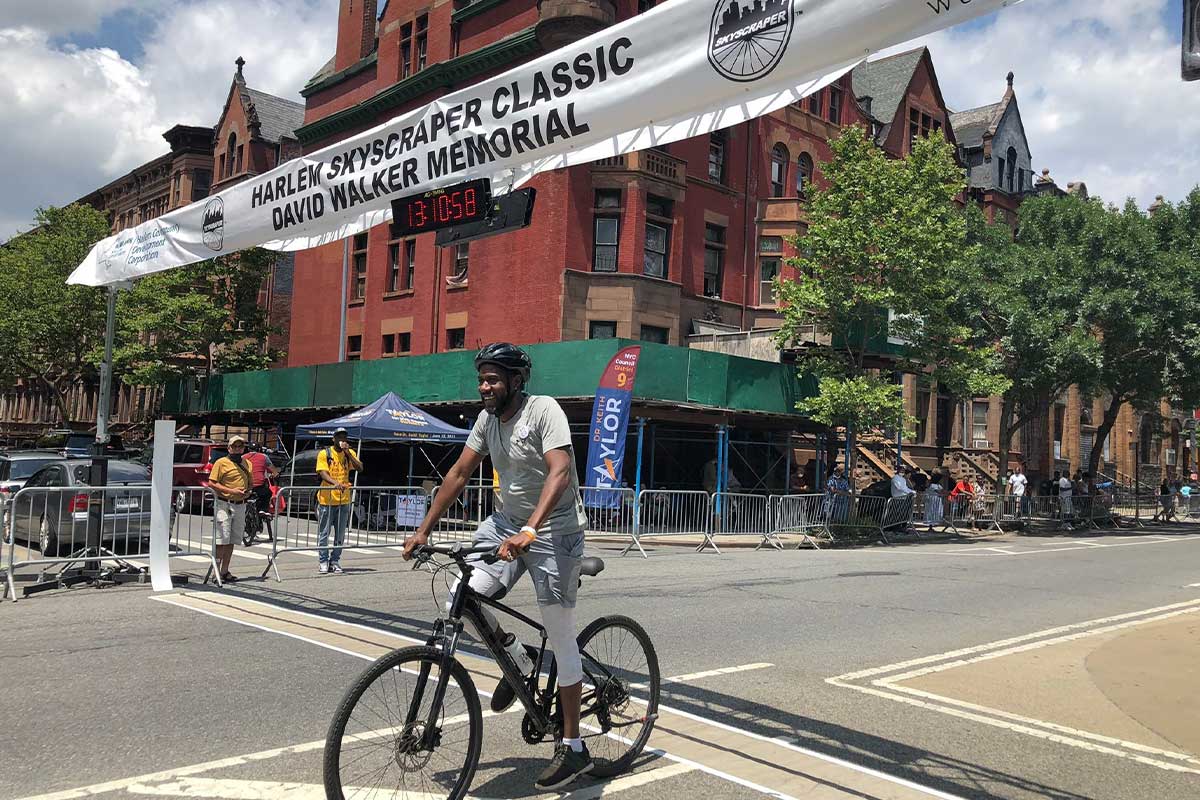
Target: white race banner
column 683, row 69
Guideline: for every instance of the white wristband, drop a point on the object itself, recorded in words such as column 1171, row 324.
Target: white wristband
column 532, row 531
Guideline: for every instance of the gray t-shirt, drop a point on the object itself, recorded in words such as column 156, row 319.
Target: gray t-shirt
column 517, row 449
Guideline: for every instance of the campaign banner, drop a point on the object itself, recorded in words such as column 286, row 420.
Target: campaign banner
column 680, row 70
column 610, row 421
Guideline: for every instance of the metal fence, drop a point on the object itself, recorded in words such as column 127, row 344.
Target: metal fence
column 664, row 512
column 376, row 517
column 83, row 530
column 741, row 514
column 803, row 515
column 611, row 512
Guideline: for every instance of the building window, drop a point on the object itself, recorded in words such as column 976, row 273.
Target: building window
column 658, row 236
column 921, row 124
column 462, row 261
column 394, row 266
column 1011, row 177
column 779, row 162
column 404, row 342
column 230, row 150
column 606, row 225
column 979, row 423
column 353, row 348
column 358, row 261
column 201, row 182
column 1021, row 179
column 652, row 333
column 602, row 329
column 422, row 40
column 835, row 104
column 770, row 250
column 389, row 345
column 241, row 147
column 456, row 338
column 1000, row 179
column 714, row 259
column 716, row 156
column 177, row 188
column 405, row 50
column 804, row 173
column 814, row 102
column 922, row 415
column 221, row 165
column 604, row 250
column 645, row 5
column 410, row 264
column 396, row 344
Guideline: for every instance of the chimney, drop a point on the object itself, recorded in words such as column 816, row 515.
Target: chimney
column 355, row 32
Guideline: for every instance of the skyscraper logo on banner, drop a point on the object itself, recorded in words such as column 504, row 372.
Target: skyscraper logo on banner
column 746, row 42
column 609, row 424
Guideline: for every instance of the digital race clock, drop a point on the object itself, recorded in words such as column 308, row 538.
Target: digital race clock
column 441, row 208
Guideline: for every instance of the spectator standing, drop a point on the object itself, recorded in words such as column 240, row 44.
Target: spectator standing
column 900, row 487
column 231, row 482
column 837, row 495
column 1166, row 503
column 1066, row 488
column 961, row 500
column 262, row 470
column 1017, row 486
column 933, row 499
column 334, row 465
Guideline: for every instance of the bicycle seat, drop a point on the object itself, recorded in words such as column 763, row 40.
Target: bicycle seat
column 591, row 566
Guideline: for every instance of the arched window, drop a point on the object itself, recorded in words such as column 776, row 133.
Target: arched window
column 804, row 173
column 230, row 152
column 779, row 165
column 1012, row 169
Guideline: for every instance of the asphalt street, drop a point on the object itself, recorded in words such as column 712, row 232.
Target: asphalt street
column 1005, row 667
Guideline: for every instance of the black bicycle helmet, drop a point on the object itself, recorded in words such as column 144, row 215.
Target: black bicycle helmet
column 508, row 356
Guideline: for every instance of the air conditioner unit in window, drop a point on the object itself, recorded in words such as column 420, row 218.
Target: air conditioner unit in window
column 241, row 326
column 980, row 444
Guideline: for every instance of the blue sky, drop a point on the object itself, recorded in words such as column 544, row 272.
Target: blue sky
column 100, row 80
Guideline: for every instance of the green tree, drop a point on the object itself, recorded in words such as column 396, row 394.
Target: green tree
column 1022, row 305
column 1133, row 279
column 50, row 332
column 884, row 235
column 198, row 320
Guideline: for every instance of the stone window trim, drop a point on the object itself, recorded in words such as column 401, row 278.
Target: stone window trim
column 779, row 169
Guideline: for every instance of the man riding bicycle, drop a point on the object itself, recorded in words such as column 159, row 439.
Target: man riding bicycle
column 539, row 529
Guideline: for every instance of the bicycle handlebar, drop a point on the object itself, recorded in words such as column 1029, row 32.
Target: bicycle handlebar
column 455, row 550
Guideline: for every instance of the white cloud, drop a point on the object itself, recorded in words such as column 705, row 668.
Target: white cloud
column 1099, row 89
column 62, row 16
column 79, row 118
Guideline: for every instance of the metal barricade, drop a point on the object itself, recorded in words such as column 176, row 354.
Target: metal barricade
column 932, row 510
column 376, row 519
column 803, row 515
column 78, row 528
column 858, row 516
column 898, row 516
column 465, row 514
column 663, row 512
column 610, row 511
column 741, row 514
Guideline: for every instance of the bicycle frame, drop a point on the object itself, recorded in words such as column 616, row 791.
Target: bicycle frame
column 466, row 604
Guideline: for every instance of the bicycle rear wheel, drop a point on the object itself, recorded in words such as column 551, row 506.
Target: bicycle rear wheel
column 620, row 692
column 375, row 746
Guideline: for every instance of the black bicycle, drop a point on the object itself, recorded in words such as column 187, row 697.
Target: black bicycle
column 412, row 721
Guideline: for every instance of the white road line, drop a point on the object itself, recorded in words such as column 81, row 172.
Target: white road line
column 889, row 687
column 1192, row 585
column 966, row 651
column 702, row 767
column 600, row 790
column 244, row 553
column 706, row 674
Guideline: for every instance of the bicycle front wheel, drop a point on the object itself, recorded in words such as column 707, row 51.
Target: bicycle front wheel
column 381, row 743
column 620, row 691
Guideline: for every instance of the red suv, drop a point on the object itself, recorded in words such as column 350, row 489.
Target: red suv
column 193, row 461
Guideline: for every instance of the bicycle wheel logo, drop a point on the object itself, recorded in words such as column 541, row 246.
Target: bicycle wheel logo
column 746, row 42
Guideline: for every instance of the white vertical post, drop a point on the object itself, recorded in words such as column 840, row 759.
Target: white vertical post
column 160, row 504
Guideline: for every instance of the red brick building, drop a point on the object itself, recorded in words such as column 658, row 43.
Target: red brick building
column 638, row 246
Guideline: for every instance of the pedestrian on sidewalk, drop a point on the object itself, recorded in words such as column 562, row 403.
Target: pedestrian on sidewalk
column 1166, row 503
column 334, row 465
column 231, row 482
column 1017, row 485
column 1066, row 488
column 837, row 495
column 962, row 498
column 262, row 470
column 933, row 500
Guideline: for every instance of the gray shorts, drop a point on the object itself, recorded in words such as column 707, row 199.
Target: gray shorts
column 552, row 562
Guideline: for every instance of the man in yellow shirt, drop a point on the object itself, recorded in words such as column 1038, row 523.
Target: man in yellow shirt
column 230, row 481
column 334, row 465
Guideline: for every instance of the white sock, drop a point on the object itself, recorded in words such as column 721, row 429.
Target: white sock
column 574, row 744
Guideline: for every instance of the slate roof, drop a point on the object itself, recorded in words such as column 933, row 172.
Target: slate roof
column 886, row 82
column 276, row 117
column 970, row 125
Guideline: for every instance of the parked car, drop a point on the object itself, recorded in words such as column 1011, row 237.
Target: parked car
column 58, row 520
column 194, row 459
column 73, row 444
column 16, row 467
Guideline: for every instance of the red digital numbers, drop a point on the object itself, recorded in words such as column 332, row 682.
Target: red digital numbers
column 448, row 207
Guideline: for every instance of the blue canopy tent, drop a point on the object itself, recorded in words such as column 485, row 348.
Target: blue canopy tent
column 389, row 419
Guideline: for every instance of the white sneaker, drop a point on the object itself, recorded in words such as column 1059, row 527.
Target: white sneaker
column 335, row 568
column 323, row 568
